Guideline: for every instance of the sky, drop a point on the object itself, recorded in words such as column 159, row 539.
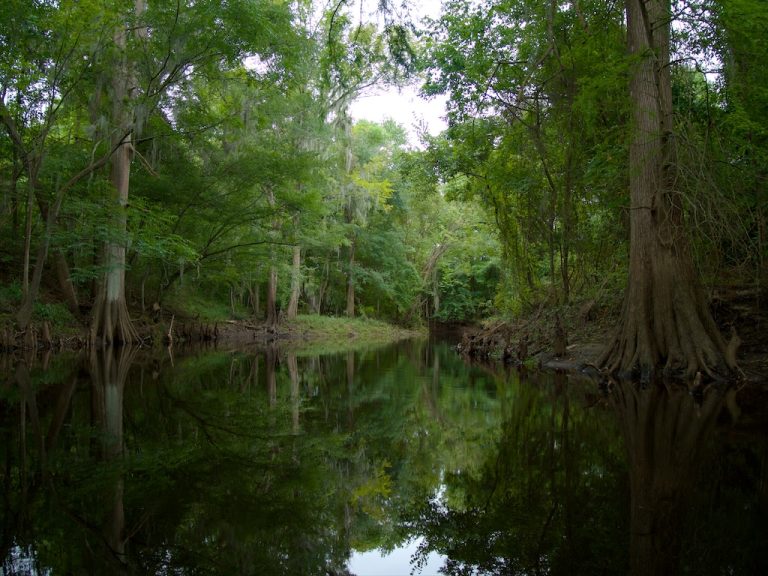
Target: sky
column 397, row 562
column 404, row 106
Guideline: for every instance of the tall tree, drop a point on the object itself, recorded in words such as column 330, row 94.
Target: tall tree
column 111, row 321
column 666, row 324
column 158, row 51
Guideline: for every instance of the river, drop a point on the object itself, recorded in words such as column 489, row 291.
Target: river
column 382, row 461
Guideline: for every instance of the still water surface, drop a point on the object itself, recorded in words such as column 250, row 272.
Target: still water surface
column 394, row 460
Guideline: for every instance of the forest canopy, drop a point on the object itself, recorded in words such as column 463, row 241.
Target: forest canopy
column 200, row 158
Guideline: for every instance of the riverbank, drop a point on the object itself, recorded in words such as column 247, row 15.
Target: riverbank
column 313, row 333
column 319, row 333
column 562, row 338
column 572, row 337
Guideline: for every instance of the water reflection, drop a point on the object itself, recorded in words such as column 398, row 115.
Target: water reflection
column 109, row 371
column 665, row 431
column 273, row 462
column 543, row 498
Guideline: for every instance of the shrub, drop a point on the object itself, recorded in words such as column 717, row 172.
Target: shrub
column 10, row 296
column 56, row 313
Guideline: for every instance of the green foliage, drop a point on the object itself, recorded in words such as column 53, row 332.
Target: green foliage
column 56, row 313
column 244, row 147
column 195, row 303
column 726, row 125
column 537, row 110
column 469, row 277
column 329, row 334
column 10, row 296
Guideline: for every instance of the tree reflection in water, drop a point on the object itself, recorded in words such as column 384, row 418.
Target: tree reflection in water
column 234, row 462
column 666, row 432
column 543, row 499
column 556, row 496
column 109, row 371
column 146, row 468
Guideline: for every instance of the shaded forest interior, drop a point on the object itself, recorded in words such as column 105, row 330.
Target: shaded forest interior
column 200, row 162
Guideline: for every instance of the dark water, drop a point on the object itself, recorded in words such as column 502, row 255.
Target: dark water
column 378, row 462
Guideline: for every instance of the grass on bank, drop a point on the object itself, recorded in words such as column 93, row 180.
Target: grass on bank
column 342, row 328
column 194, row 305
column 59, row 318
column 188, row 304
column 310, row 333
column 331, row 333
column 306, row 332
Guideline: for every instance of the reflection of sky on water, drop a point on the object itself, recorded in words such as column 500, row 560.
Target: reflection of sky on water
column 22, row 561
column 396, row 563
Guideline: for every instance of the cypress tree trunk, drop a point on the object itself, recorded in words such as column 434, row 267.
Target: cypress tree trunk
column 666, row 323
column 111, row 322
column 293, row 303
column 254, row 298
column 272, row 283
column 272, row 297
column 29, row 290
column 351, row 282
column 27, row 238
column 60, row 259
column 65, row 282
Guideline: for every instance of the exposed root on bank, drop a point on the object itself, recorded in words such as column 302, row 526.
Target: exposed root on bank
column 668, row 332
column 111, row 324
column 606, row 345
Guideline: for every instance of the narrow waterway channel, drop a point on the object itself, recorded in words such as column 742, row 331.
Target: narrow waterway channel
column 394, row 460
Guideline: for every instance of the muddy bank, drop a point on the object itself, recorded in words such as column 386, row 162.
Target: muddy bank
column 42, row 337
column 572, row 337
column 568, row 337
